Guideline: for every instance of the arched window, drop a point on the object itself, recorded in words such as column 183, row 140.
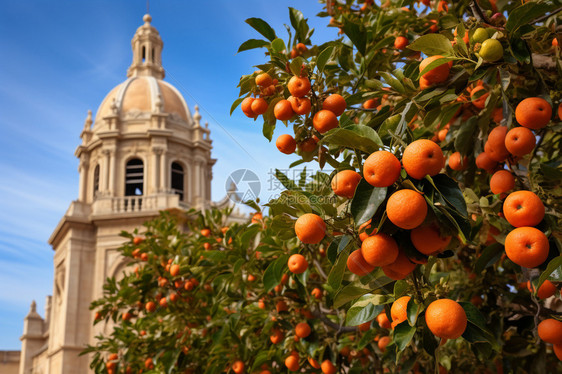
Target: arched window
column 96, row 180
column 177, row 179
column 134, row 177
column 143, row 53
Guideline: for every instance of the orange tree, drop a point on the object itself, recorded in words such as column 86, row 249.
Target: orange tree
column 432, row 246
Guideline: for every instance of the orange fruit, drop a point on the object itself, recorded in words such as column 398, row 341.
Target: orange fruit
column 479, row 101
column 148, row 363
column 206, row 232
column 286, row 144
column 297, row 264
column 400, row 268
column 301, row 47
column 238, row 367
column 363, row 228
column 246, row 107
column 310, row 228
column 483, row 161
column 264, row 80
column 137, row 240
column 533, row 113
column 308, row 145
column 292, row 362
column 259, row 106
column 428, row 239
column 174, row 270
column 401, row 42
column 315, row 364
column 550, row 331
column 558, row 348
column 406, row 209
column 501, row 182
column 317, row 293
column 423, row 157
column 371, row 104
column 298, row 86
column 379, row 250
column 382, row 320
column 150, row 306
column 281, row 306
column 546, row 290
column 328, row 367
column 399, row 310
column 302, row 330
column 283, row 110
column 446, row 319
column 495, row 145
column 424, row 83
column 381, row 169
column 357, row 265
column 455, row 162
column 520, row 141
column 438, row 74
column 523, row 208
column 335, row 103
column 345, row 182
column 383, row 342
column 497, row 115
column 527, row 246
column 324, row 120
column 560, row 111
column 366, row 326
column 300, row 105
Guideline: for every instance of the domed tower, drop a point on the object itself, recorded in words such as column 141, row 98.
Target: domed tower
column 142, row 152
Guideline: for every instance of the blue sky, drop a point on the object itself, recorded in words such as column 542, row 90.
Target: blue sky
column 59, row 59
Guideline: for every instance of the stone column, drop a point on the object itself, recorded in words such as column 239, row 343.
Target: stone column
column 112, row 172
column 155, row 169
column 163, row 175
column 104, row 173
column 32, row 339
column 83, row 181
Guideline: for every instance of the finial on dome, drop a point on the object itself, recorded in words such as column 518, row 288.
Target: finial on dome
column 147, row 18
column 196, row 115
column 88, row 121
column 33, row 307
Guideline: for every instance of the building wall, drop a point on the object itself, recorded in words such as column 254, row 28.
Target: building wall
column 9, row 362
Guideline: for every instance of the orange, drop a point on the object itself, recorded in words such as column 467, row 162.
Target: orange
column 137, row 240
column 206, row 232
column 297, row 264
column 523, row 208
column 345, row 182
column 406, row 209
column 497, row 115
column 527, row 246
column 424, row 83
column 317, row 293
column 315, row 364
column 366, row 326
column 560, row 111
column 400, row 268
column 383, row 342
column 446, row 319
column 300, row 105
column 546, row 290
column 363, row 230
column 520, row 141
column 455, row 162
column 328, row 367
column 281, row 306
column 238, row 367
column 302, row 330
column 286, row 144
column 150, row 306
column 357, row 265
column 308, row 145
column 174, row 270
column 283, row 110
column 501, row 182
column 325, row 120
column 438, row 74
column 310, row 228
column 382, row 320
column 379, row 250
column 483, row 161
column 246, row 107
column 335, row 103
column 298, row 86
column 495, row 145
column 148, row 363
column 399, row 310
column 371, row 104
column 479, row 101
column 292, row 362
column 428, row 239
column 533, row 113
column 558, row 348
column 550, row 331
column 423, row 157
column 259, row 106
column 401, row 42
column 301, row 47
column 264, row 80
column 381, row 169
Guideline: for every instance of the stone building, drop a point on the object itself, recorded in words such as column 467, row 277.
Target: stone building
column 142, row 152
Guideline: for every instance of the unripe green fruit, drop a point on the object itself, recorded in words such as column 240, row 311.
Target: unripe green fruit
column 393, row 121
column 480, row 35
column 491, row 50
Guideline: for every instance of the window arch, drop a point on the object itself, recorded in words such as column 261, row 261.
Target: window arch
column 134, row 177
column 177, row 179
column 96, row 180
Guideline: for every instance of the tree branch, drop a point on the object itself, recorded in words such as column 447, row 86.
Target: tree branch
column 477, row 12
column 546, row 16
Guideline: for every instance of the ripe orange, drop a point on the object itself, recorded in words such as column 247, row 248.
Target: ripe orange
column 523, row 208
column 533, row 113
column 560, row 111
column 401, row 42
column 298, row 86
column 423, row 157
column 400, row 268
column 301, row 47
column 246, row 107
column 259, row 106
column 357, row 265
column 381, row 169
column 283, row 110
column 483, row 161
column 382, row 320
column 558, row 348
column 264, row 80
column 292, row 362
column 150, row 306
column 501, row 182
column 520, row 141
column 497, row 115
column 495, row 145
column 148, row 363
column 527, row 246
column 546, row 290
column 446, row 319
column 345, row 182
column 302, row 330
column 455, row 162
column 399, row 310
column 297, row 264
column 300, row 105
column 479, row 101
column 424, row 83
column 550, row 331
column 310, row 228
column 238, row 367
column 315, row 364
column 281, row 306
column 174, row 270
column 335, row 103
column 366, row 326
column 379, row 250
column 406, row 209
column 438, row 74
column 328, row 367
column 383, row 342
column 363, row 228
column 137, row 240
column 428, row 240
column 324, row 120
column 286, row 144
column 317, row 293
column 371, row 104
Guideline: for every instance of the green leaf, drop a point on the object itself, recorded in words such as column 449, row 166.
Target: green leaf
column 338, row 270
column 392, row 82
column 451, row 192
column 356, row 33
column 429, row 341
column 359, row 137
column 554, row 265
column 350, row 292
column 274, row 272
column 278, row 45
column 268, row 129
column 235, row 104
column 433, row 44
column 526, row 13
column 362, row 311
column 413, row 309
column 366, row 201
column 324, row 57
column 490, row 255
column 252, row 44
column 337, row 246
column 296, row 65
column 403, row 334
column 262, row 27
column 464, row 138
column 285, row 181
